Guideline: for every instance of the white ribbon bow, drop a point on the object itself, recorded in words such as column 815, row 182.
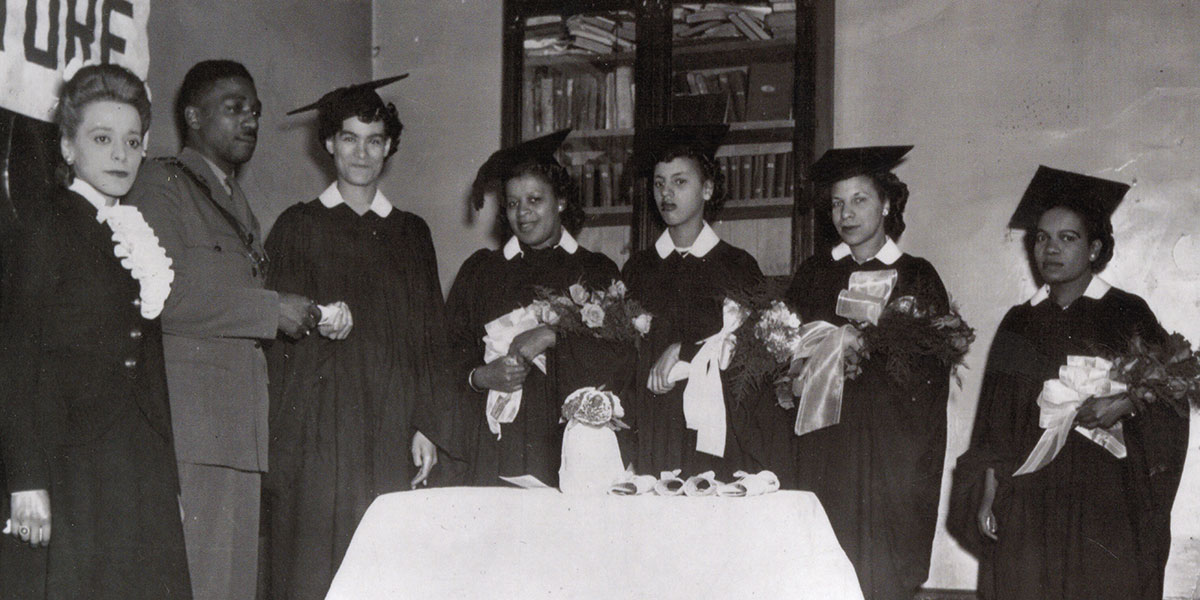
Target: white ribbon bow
column 704, row 395
column 502, row 407
column 866, row 295
column 1081, row 378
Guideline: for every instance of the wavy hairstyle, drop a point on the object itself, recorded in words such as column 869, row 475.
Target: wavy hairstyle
column 368, row 107
column 709, row 171
column 560, row 181
column 97, row 83
column 892, row 192
column 1096, row 225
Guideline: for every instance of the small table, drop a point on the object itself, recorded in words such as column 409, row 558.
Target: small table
column 514, row 543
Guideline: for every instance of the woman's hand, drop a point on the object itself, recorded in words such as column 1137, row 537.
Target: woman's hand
column 424, row 455
column 531, row 343
column 1103, row 411
column 503, row 375
column 658, row 381
column 986, row 518
column 30, row 521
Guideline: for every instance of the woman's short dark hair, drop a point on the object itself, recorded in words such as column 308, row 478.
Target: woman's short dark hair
column 1096, row 225
column 560, row 181
column 368, row 107
column 96, row 83
column 893, row 193
column 709, row 171
column 199, row 80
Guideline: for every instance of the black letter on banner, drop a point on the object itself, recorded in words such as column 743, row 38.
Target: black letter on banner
column 49, row 57
column 108, row 41
column 84, row 32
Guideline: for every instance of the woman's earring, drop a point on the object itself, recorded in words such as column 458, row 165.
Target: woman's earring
column 885, row 211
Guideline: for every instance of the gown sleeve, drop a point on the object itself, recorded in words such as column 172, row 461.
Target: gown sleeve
column 287, row 245
column 998, row 436
column 30, row 276
column 434, row 413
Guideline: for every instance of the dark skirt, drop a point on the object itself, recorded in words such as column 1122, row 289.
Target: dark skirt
column 115, row 524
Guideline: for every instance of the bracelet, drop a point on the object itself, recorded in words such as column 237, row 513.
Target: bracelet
column 471, row 383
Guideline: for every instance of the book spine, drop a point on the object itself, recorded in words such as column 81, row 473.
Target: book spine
column 604, row 177
column 770, row 185
column 625, row 92
column 546, row 84
column 588, row 185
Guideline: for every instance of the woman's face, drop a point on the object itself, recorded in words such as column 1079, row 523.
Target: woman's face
column 359, row 150
column 1061, row 249
column 680, row 191
column 534, row 212
column 858, row 211
column 106, row 149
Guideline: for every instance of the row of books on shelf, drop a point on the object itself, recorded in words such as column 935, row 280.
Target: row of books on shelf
column 604, row 33
column 759, row 92
column 553, row 100
column 759, row 176
column 724, row 20
column 616, row 31
column 747, row 177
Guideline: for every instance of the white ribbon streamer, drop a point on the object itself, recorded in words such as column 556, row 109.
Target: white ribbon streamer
column 1081, row 378
column 704, row 395
column 502, row 407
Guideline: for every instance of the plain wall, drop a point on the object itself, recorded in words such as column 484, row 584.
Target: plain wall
column 450, row 105
column 987, row 91
column 295, row 50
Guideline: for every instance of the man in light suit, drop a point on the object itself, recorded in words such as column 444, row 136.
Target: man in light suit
column 214, row 322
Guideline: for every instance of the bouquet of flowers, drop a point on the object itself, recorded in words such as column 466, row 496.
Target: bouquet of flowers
column 1160, row 373
column 594, row 407
column 779, row 347
column 602, row 313
column 910, row 329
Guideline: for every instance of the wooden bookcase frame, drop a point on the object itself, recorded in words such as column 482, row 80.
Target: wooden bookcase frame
column 812, row 57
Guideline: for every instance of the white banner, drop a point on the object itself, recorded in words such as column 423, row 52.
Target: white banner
column 41, row 36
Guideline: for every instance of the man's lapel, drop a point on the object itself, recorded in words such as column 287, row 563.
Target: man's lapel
column 236, row 203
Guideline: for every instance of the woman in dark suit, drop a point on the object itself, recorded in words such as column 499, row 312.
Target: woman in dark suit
column 85, row 427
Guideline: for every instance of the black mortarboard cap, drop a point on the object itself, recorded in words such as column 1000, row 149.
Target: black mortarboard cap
column 498, row 166
column 1055, row 187
column 843, row 163
column 658, row 140
column 345, row 92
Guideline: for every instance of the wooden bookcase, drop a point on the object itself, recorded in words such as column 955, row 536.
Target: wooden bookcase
column 611, row 68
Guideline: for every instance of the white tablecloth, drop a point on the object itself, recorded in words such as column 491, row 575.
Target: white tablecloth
column 513, row 543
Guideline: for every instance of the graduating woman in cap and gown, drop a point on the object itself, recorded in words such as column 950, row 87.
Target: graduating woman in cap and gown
column 85, row 425
column 539, row 210
column 357, row 407
column 1087, row 524
column 878, row 469
column 683, row 281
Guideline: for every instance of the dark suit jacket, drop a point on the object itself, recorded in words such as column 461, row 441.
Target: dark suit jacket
column 214, row 318
column 79, row 356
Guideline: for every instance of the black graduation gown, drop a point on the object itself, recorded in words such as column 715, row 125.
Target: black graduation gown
column 685, row 295
column 1087, row 525
column 343, row 412
column 84, row 415
column 878, row 471
column 489, row 286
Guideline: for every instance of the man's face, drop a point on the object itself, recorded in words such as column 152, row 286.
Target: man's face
column 224, row 122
